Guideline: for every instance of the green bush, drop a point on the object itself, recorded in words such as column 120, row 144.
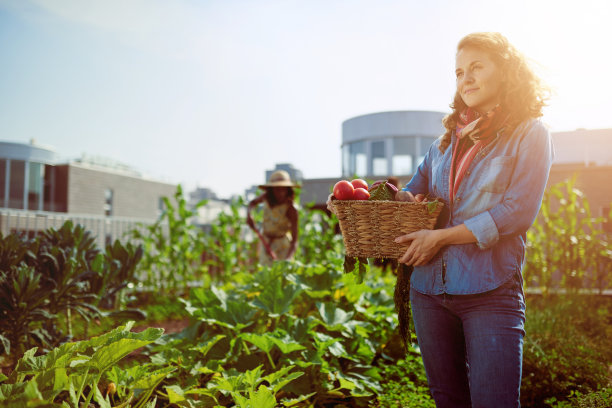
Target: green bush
column 566, row 246
column 60, row 273
column 173, row 247
column 404, row 384
column 567, row 348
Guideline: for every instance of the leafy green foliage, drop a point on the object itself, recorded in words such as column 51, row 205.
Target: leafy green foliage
column 319, row 242
column 567, row 348
column 404, row 384
column 45, row 280
column 72, row 372
column 566, row 245
column 173, row 246
column 226, row 248
column 301, row 333
column 325, row 329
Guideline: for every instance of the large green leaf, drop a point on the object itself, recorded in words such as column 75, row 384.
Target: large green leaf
column 294, row 401
column 262, row 341
column 110, row 354
column 235, row 315
column 262, row 398
column 207, row 345
column 277, row 300
column 278, row 379
column 266, row 341
column 332, row 316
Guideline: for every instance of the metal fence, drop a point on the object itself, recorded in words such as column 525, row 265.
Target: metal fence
column 105, row 229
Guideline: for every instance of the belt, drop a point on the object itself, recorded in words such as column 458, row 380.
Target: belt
column 271, row 236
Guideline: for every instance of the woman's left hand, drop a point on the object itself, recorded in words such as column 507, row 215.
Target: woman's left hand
column 424, row 244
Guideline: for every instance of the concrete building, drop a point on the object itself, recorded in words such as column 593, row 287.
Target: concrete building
column 377, row 146
column 202, row 193
column 37, row 192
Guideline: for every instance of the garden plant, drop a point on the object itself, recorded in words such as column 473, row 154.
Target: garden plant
column 301, row 333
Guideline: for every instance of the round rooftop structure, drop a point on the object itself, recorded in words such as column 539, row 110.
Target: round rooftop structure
column 25, row 175
column 388, row 143
column 27, row 152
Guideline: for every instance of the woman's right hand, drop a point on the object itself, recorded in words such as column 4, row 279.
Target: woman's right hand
column 408, row 196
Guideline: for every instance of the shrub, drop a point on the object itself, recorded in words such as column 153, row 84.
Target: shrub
column 567, row 347
column 60, row 272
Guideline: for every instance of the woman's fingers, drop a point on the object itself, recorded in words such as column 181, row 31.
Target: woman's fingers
column 404, row 196
column 330, row 207
column 409, row 251
column 419, row 198
column 421, row 248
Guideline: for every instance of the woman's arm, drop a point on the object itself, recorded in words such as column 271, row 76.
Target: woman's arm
column 424, row 244
column 523, row 197
column 252, row 204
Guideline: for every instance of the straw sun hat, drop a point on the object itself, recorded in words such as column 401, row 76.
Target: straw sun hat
column 279, row 178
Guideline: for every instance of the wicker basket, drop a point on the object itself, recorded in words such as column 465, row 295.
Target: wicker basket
column 369, row 228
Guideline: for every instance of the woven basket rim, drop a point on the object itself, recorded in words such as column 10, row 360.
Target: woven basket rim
column 369, row 227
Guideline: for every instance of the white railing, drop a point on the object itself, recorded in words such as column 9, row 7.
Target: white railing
column 105, row 229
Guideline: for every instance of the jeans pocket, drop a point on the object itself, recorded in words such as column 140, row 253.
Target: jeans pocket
column 512, row 291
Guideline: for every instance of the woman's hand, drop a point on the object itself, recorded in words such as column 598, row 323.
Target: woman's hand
column 424, row 244
column 269, row 251
column 408, row 196
column 271, row 254
column 330, row 207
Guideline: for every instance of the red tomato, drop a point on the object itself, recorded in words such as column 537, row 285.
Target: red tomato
column 343, row 190
column 361, row 194
column 359, row 183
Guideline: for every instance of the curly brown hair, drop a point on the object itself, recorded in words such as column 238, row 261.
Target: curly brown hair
column 522, row 94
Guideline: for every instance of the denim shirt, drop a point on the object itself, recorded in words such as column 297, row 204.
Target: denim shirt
column 498, row 200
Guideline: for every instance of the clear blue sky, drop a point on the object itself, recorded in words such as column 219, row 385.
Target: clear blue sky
column 213, row 93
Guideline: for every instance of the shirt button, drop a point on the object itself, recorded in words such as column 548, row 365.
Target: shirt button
column 468, row 172
column 458, row 199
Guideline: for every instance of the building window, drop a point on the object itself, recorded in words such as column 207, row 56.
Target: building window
column 379, row 159
column 108, row 202
column 35, row 186
column 355, row 160
column 403, row 151
column 3, row 184
column 49, row 188
column 17, row 183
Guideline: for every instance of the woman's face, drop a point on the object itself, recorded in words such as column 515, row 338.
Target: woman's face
column 478, row 79
column 280, row 193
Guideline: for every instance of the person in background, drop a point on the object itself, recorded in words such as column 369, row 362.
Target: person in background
column 490, row 169
column 279, row 231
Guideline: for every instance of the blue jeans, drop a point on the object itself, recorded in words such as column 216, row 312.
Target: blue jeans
column 472, row 345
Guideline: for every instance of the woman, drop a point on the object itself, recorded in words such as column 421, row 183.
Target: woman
column 490, row 169
column 279, row 235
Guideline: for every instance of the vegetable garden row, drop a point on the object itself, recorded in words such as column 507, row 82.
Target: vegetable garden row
column 300, row 333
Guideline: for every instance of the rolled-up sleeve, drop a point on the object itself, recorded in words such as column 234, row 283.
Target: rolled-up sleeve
column 484, row 229
column 523, row 197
